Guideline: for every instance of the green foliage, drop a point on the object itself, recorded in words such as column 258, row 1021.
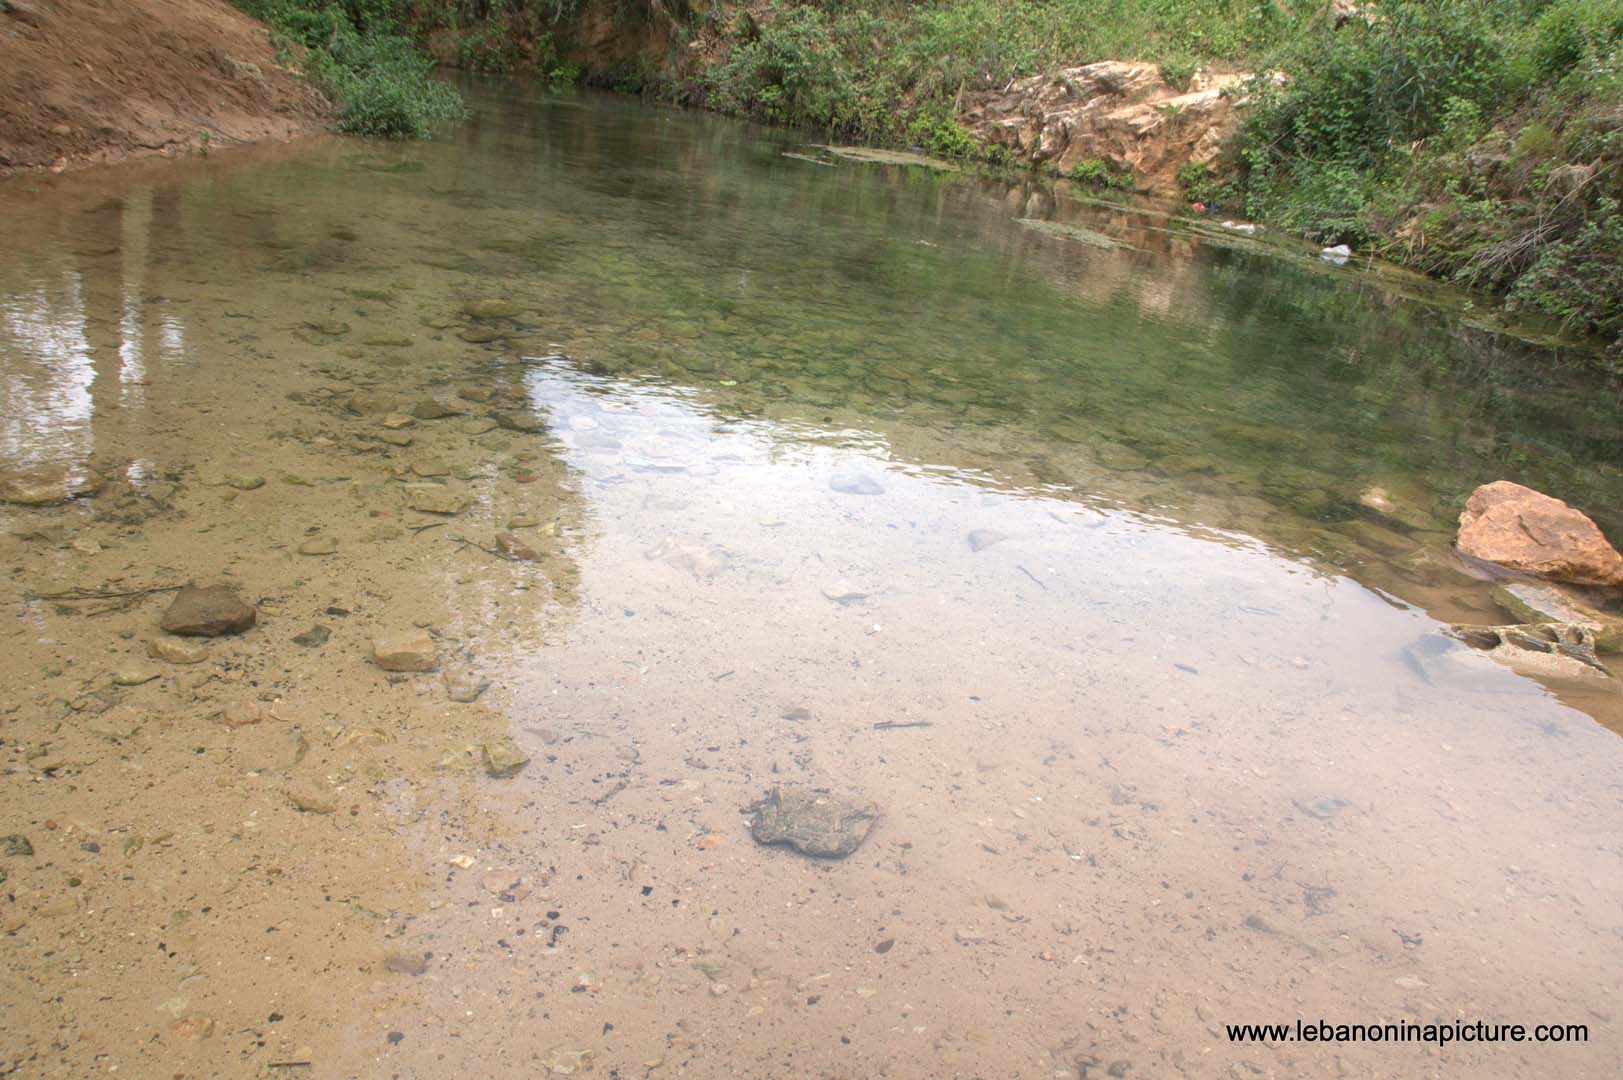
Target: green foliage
column 1571, row 35
column 1097, row 173
column 1199, row 183
column 1581, row 278
column 872, row 68
column 1179, row 72
column 944, row 136
column 356, row 53
column 1487, row 136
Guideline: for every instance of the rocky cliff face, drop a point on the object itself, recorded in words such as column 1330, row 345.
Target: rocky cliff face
column 1118, row 112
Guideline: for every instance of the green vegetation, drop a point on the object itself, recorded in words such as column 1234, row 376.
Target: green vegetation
column 357, row 53
column 871, row 69
column 1098, row 173
column 1478, row 140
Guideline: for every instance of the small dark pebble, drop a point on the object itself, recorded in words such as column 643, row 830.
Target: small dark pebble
column 646, row 889
column 90, row 846
column 74, row 883
column 275, row 1018
column 552, row 914
column 884, row 946
column 814, row 999
column 395, row 1037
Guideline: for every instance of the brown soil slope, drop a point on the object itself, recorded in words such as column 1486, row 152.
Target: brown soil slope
column 83, row 81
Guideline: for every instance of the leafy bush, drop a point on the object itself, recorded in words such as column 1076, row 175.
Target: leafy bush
column 942, row 135
column 1198, row 182
column 356, row 53
column 1097, row 173
column 1179, row 72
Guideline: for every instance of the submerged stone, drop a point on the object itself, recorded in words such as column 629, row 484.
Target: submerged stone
column 429, row 409
column 435, row 499
column 1541, row 650
column 516, row 549
column 502, row 758
column 465, row 687
column 211, row 611
column 981, row 539
column 812, row 822
column 43, row 487
column 1529, row 602
column 177, row 652
column 400, row 962
column 528, row 423
column 855, row 482
column 490, row 309
column 413, row 651
column 310, row 801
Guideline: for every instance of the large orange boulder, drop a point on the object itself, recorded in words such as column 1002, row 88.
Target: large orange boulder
column 1518, row 527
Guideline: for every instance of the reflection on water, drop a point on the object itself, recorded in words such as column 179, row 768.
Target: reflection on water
column 800, row 451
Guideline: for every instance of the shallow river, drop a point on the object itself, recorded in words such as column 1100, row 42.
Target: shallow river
column 1038, row 523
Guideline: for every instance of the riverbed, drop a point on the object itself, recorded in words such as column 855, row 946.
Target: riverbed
column 1042, row 524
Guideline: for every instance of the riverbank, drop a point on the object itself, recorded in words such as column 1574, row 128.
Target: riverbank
column 1480, row 143
column 94, row 81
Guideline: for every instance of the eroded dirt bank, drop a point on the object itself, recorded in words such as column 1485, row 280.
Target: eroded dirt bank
column 96, row 80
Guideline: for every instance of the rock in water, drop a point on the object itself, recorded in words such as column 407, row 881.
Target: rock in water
column 527, row 423
column 855, row 482
column 208, row 612
column 502, row 758
column 1525, row 530
column 415, row 651
column 435, row 499
column 429, row 409
column 43, row 487
column 812, row 822
column 981, row 539
column 516, row 549
column 1530, row 602
column 490, row 309
column 177, row 652
column 464, row 687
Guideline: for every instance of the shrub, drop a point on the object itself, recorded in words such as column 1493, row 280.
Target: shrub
column 358, row 56
column 1179, row 72
column 1096, row 173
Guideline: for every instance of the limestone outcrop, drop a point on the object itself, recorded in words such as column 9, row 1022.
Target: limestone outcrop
column 1119, row 112
column 1526, row 530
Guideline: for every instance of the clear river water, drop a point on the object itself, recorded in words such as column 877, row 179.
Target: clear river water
column 1042, row 524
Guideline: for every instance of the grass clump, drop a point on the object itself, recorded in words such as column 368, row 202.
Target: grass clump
column 357, row 53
